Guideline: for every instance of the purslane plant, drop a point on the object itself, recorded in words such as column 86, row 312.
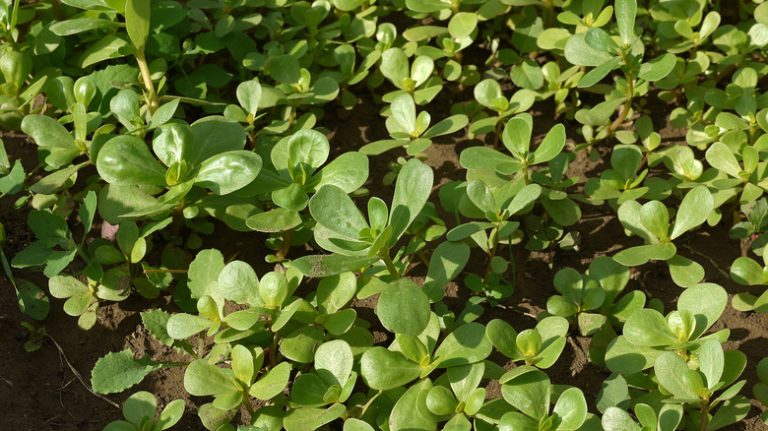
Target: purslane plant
column 356, row 242
column 650, row 221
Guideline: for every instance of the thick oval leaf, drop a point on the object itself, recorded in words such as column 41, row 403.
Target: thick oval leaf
column 693, row 211
column 551, row 146
column 54, row 140
column 403, row 308
column 335, row 357
column 410, row 411
column 203, row 379
column 648, row 327
column 616, row 419
column 272, row 383
column 126, row 160
column 747, row 272
column 383, row 369
column 706, row 302
column 334, row 209
column 229, row 171
column 571, row 408
column 467, row 344
column 675, row 376
column 412, row 189
column 348, row 172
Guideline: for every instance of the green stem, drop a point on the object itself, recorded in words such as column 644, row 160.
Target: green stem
column 704, row 415
column 146, row 77
column 626, row 107
column 384, row 255
column 285, row 247
column 492, row 253
column 189, row 100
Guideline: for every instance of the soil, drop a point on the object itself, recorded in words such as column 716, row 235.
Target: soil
column 39, row 390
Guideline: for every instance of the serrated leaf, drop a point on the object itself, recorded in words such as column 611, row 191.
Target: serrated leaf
column 118, row 371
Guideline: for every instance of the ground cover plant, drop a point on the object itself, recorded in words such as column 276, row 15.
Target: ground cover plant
column 241, row 215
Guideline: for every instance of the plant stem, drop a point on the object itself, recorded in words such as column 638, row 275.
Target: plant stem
column 172, row 271
column 384, row 255
column 189, row 100
column 146, row 77
column 626, row 107
column 285, row 247
column 492, row 253
column 704, row 415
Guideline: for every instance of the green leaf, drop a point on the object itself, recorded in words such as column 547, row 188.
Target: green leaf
column 412, row 189
column 640, row 255
column 108, row 47
column 403, row 110
column 171, row 414
column 551, row 146
column 648, row 327
column 383, row 369
column 238, row 282
column 571, row 407
column 467, row 344
column 675, row 376
column 335, row 357
column 446, row 263
column 164, row 113
column 87, row 211
column 625, row 12
column 655, row 218
column 597, row 74
column 627, row 358
column 137, row 22
column 711, row 362
column 126, row 160
column 182, row 326
column 211, row 136
column 394, row 66
column 156, row 322
column 693, row 211
column 204, row 379
column 52, row 138
column 79, row 25
column 204, row 273
column 349, row 172
column 721, row 157
column 310, row 419
column 249, row 95
column 32, row 300
column 706, row 302
column 334, row 209
column 410, row 411
column 528, row 390
column 274, row 220
column 746, row 271
column 488, row 93
column 658, row 68
column 324, row 265
column 579, row 53
column 616, row 419
column 462, row 24
column 403, row 308
column 353, row 424
column 227, row 172
column 447, row 126
column 118, row 371
column 517, row 136
column 684, row 271
column 140, row 406
column 273, row 383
